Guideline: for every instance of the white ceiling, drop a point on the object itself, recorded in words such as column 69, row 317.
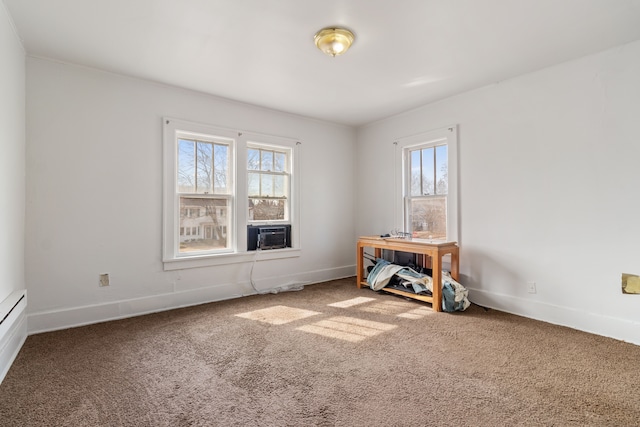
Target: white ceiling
column 407, row 52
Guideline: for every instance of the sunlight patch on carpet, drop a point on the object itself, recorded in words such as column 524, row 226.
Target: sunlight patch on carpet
column 347, row 328
column 278, row 314
column 417, row 313
column 351, row 302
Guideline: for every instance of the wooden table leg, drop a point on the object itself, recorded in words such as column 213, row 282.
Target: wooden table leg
column 359, row 265
column 436, row 274
column 455, row 265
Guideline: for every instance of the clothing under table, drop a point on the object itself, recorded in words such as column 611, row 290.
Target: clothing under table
column 427, row 248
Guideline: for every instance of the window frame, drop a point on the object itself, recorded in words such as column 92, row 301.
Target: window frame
column 227, row 193
column 287, row 173
column 444, row 136
column 239, row 202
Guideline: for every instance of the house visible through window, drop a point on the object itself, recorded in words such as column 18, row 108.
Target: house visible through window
column 216, row 183
column 427, row 198
column 268, row 183
column 203, row 187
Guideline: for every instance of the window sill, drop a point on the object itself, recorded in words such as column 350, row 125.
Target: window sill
column 223, row 259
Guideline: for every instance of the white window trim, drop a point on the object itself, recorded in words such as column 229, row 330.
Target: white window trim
column 290, row 146
column 253, row 139
column 447, row 135
column 237, row 232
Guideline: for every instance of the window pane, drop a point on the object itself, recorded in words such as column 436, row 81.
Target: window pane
column 428, row 217
column 428, row 184
column 279, row 189
column 267, row 180
column 441, row 170
column 267, row 209
column 186, row 166
column 267, row 160
column 253, row 159
column 280, row 162
column 205, row 221
column 253, row 184
column 204, row 167
column 221, row 168
column 266, row 183
column 415, row 173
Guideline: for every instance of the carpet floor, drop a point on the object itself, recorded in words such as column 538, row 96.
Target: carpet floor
column 329, row 355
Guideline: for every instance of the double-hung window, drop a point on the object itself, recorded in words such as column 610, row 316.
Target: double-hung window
column 216, row 182
column 428, row 185
column 268, row 182
column 205, row 192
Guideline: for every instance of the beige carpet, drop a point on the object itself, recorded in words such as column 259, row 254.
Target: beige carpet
column 330, row 355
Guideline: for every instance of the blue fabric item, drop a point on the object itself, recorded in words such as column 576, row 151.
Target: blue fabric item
column 448, row 297
column 411, row 272
column 449, row 303
column 380, row 263
column 417, row 288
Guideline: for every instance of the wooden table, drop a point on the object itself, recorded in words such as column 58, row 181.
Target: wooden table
column 427, row 248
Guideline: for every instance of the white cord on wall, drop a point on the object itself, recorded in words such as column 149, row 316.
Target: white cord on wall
column 293, row 286
column 255, row 258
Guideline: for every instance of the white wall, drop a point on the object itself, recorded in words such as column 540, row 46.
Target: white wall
column 12, row 159
column 548, row 187
column 549, row 181
column 13, row 328
column 94, row 197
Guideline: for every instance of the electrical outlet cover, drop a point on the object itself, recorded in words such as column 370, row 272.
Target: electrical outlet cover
column 531, row 287
column 104, row 280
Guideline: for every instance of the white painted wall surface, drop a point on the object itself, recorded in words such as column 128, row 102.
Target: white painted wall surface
column 94, row 197
column 549, row 181
column 12, row 158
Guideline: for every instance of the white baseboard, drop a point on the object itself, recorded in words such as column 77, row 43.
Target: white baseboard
column 13, row 330
column 51, row 320
column 582, row 320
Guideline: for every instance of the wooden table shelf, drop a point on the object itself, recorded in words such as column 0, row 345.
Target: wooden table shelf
column 427, row 248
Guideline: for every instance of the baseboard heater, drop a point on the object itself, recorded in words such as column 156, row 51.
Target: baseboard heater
column 13, row 329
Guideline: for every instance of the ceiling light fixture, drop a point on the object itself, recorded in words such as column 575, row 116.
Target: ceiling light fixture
column 334, row 41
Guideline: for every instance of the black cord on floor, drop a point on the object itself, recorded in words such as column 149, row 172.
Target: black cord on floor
column 481, row 306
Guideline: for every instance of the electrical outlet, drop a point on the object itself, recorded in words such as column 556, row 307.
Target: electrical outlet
column 104, row 280
column 531, row 287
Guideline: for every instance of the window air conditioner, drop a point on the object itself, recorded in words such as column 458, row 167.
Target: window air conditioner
column 268, row 237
